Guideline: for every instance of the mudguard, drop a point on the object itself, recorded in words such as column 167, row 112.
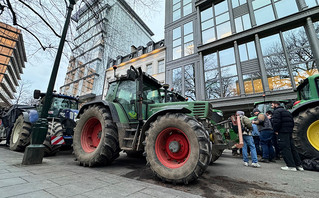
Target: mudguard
column 110, row 105
column 163, row 112
column 304, row 106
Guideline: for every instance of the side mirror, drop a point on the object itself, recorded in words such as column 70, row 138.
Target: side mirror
column 36, row 94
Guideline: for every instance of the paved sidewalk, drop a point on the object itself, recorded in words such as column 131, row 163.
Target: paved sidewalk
column 52, row 179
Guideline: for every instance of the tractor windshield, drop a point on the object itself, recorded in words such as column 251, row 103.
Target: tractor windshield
column 264, row 107
column 64, row 103
column 151, row 93
column 304, row 91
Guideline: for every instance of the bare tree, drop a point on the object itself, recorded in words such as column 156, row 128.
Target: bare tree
column 23, row 94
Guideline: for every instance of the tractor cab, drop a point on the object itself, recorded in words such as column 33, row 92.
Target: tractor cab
column 307, row 90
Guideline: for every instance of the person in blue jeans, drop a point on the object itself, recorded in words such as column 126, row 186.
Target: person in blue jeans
column 266, row 135
column 256, row 138
column 248, row 141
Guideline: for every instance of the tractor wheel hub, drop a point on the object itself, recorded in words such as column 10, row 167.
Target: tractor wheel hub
column 174, row 146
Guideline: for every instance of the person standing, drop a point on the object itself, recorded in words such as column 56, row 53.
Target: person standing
column 248, row 140
column 283, row 125
column 266, row 134
column 256, row 138
column 274, row 137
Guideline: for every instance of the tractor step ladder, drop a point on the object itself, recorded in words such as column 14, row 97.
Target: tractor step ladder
column 129, row 139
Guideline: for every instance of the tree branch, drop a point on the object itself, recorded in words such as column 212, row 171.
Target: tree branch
column 35, row 12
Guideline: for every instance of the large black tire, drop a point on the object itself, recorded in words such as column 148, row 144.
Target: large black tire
column 54, row 129
column 182, row 165
column 20, row 135
column 305, row 133
column 95, row 141
column 217, row 139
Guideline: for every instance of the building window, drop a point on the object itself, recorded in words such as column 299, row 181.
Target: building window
column 312, row 3
column 236, row 3
column 176, row 9
column 187, row 7
column 285, row 7
column 177, row 80
column 247, row 51
column 253, row 83
column 207, row 23
column 221, row 79
column 161, row 66
column 149, row 69
column 300, row 54
column 242, row 23
column 177, row 43
column 188, row 39
column 263, row 11
column 218, row 14
column 275, row 63
column 184, row 80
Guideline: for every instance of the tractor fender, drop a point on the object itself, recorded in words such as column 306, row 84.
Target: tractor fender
column 163, row 112
column 104, row 103
column 304, row 106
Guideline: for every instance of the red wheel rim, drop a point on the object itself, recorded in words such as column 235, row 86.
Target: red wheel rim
column 91, row 135
column 172, row 147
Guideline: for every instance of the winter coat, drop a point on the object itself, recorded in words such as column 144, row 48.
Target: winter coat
column 246, row 125
column 283, row 121
column 263, row 123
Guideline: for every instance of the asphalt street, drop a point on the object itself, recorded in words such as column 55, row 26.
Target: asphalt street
column 227, row 177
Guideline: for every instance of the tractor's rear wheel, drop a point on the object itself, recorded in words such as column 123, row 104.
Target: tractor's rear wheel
column 54, row 129
column 95, row 141
column 20, row 136
column 177, row 148
column 306, row 133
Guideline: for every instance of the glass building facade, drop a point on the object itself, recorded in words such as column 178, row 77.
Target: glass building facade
column 243, row 49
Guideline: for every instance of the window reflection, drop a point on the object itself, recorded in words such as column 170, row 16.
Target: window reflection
column 177, row 80
column 176, row 10
column 190, row 82
column 210, row 61
column 300, row 54
column 227, row 56
column 311, row 3
column 264, row 15
column 285, row 8
column 253, row 83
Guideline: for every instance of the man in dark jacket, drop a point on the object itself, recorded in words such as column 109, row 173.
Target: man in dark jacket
column 266, row 134
column 283, row 124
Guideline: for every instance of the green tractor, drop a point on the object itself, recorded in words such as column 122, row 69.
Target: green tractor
column 138, row 115
column 306, row 116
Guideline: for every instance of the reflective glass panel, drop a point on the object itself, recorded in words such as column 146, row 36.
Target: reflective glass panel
column 278, row 79
column 188, row 28
column 239, row 24
column 176, row 14
column 186, row 2
column 207, row 24
column 221, row 8
column 177, row 52
column 208, row 35
column 271, row 45
column 260, row 3
column 229, row 71
column 188, row 38
column 303, row 70
column 246, row 21
column 243, row 52
column 285, row 8
column 213, row 89
column 251, row 50
column 264, row 15
column 177, row 80
column 177, row 42
column 190, row 82
column 206, row 14
column 187, row 9
column 230, row 87
column 188, row 48
column 176, row 33
column 227, row 57
column 311, row 3
column 210, row 61
column 222, row 18
column 223, row 30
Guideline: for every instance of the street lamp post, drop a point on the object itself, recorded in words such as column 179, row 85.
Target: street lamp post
column 34, row 152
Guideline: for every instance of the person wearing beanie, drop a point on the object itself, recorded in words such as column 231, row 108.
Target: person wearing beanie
column 266, row 135
column 248, row 140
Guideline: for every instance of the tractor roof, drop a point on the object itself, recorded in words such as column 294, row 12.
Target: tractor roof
column 61, row 96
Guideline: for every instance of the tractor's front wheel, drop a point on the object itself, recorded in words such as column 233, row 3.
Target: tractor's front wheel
column 177, row 148
column 20, row 136
column 95, row 141
column 54, row 129
column 217, row 139
column 306, row 133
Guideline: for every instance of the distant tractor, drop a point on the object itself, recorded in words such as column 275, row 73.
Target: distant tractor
column 61, row 121
column 306, row 117
column 138, row 115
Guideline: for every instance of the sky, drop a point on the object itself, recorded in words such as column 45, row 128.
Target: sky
column 38, row 69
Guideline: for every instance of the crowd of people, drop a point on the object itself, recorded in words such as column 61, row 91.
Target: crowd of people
column 269, row 135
